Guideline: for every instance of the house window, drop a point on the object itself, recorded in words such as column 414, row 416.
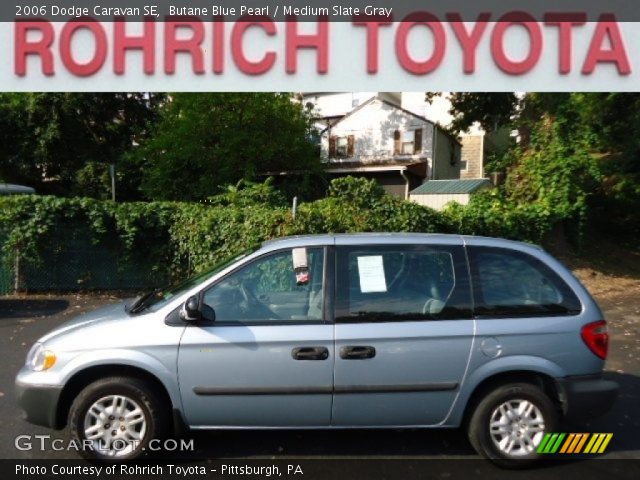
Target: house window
column 463, row 165
column 341, row 147
column 407, row 142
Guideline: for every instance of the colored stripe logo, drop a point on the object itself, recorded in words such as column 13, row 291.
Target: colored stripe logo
column 574, row 443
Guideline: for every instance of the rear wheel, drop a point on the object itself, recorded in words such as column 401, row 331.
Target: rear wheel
column 115, row 418
column 510, row 422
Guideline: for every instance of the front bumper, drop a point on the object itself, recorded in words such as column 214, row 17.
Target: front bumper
column 39, row 403
column 587, row 396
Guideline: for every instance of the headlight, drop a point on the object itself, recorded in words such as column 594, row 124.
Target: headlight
column 39, row 359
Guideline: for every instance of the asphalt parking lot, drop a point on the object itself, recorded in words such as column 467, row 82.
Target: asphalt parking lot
column 23, row 320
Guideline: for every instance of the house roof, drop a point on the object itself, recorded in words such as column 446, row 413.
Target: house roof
column 12, row 189
column 444, row 187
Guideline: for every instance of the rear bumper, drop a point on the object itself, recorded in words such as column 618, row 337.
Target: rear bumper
column 587, row 396
column 39, row 403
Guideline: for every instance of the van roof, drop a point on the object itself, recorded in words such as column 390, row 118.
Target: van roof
column 389, row 238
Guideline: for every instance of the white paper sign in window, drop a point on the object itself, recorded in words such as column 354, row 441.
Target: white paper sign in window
column 371, row 272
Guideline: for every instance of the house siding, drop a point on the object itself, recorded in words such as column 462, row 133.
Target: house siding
column 473, row 154
column 447, row 161
column 373, row 129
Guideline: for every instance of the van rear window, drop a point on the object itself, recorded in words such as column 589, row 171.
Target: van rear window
column 508, row 283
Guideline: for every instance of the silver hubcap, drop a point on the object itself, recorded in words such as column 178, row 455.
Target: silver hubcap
column 115, row 425
column 516, row 427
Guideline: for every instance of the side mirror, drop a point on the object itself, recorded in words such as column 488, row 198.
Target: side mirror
column 190, row 311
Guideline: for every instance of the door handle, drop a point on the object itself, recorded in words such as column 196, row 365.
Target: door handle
column 310, row 353
column 357, row 352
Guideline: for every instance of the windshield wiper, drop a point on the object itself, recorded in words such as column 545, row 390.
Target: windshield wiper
column 140, row 303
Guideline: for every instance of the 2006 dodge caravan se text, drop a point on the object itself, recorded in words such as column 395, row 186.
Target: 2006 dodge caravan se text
column 335, row 331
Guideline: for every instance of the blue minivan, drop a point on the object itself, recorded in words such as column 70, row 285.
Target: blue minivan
column 335, row 331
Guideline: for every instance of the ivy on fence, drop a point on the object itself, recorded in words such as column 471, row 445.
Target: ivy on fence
column 173, row 239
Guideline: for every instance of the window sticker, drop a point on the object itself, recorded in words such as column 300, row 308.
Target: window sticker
column 300, row 266
column 371, row 272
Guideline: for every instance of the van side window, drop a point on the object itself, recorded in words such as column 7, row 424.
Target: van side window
column 401, row 283
column 271, row 289
column 508, row 283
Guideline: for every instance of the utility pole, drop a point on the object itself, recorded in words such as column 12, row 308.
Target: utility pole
column 112, row 172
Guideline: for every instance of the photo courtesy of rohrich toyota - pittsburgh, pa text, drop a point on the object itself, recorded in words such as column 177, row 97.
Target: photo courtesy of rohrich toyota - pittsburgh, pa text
column 355, row 239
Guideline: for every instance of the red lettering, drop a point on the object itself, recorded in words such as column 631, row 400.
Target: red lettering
column 318, row 41
column 41, row 47
column 607, row 27
column 514, row 67
column 123, row 42
column 218, row 45
column 99, row 54
column 251, row 67
column 373, row 28
column 191, row 45
column 468, row 40
column 565, row 23
column 439, row 41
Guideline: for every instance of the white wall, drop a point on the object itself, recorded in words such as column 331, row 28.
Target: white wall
column 447, row 151
column 373, row 127
column 438, row 202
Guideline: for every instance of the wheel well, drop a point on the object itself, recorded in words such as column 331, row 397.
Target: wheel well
column 545, row 382
column 89, row 375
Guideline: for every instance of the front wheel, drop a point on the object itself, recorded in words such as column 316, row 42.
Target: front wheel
column 115, row 418
column 510, row 422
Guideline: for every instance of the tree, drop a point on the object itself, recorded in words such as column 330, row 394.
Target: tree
column 490, row 110
column 205, row 141
column 62, row 142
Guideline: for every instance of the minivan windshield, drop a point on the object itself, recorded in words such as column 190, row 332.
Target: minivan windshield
column 156, row 299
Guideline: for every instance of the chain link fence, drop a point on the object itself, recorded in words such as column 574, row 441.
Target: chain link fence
column 73, row 262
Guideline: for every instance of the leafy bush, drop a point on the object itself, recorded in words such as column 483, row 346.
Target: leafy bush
column 489, row 214
column 181, row 238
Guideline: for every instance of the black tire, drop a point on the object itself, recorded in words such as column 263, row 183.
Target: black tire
column 479, row 423
column 138, row 391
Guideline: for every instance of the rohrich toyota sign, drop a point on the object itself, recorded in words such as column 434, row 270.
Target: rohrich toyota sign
column 205, row 52
column 206, row 43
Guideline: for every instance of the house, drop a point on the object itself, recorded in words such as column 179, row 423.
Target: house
column 437, row 193
column 369, row 134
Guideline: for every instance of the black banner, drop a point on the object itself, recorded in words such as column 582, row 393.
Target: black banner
column 312, row 10
column 330, row 468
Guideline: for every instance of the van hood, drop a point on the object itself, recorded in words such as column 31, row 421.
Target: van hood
column 107, row 313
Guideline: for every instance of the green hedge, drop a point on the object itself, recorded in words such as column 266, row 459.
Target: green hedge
column 171, row 240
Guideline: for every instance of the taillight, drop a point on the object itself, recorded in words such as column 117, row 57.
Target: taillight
column 596, row 336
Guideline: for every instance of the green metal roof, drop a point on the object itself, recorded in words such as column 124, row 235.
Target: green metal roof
column 443, row 187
